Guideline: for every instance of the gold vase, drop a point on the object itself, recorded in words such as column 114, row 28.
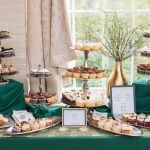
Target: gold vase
column 117, row 77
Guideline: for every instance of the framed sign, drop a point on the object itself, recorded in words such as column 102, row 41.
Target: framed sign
column 122, row 99
column 74, row 117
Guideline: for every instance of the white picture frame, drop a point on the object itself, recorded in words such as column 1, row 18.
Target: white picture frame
column 122, row 99
column 74, row 117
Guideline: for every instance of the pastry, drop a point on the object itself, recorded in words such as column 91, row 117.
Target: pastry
column 89, row 103
column 140, row 119
column 108, row 125
column 3, row 121
column 98, row 102
column 125, row 117
column 42, row 124
column 16, row 129
column 80, row 103
column 95, row 120
column 34, row 100
column 49, row 122
column 126, row 129
column 116, row 128
column 25, row 127
column 101, row 123
column 34, row 126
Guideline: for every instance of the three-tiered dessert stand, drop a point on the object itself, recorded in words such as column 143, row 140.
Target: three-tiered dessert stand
column 5, row 55
column 147, row 55
column 85, row 86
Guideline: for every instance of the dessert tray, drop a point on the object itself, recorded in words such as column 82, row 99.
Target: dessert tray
column 80, row 72
column 7, row 52
column 87, row 47
column 144, row 69
column 77, row 98
column 5, row 122
column 113, row 126
column 32, row 127
column 41, row 98
column 134, row 119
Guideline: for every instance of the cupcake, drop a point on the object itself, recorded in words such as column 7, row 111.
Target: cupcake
column 69, row 72
column 132, row 119
column 76, row 74
column 34, row 99
column 85, row 75
column 92, row 75
column 42, row 99
column 27, row 99
column 147, row 122
column 140, row 119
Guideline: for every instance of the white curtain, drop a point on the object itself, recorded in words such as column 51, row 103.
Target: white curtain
column 48, row 40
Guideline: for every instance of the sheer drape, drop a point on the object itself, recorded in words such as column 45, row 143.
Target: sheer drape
column 48, row 39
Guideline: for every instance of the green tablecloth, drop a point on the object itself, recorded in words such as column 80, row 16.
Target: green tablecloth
column 11, row 97
column 142, row 96
column 74, row 139
column 44, row 111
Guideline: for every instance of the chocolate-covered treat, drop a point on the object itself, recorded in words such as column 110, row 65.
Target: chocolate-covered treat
column 42, row 99
column 132, row 119
column 147, row 122
column 140, row 119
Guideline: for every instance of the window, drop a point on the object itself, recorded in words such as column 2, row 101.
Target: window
column 92, row 11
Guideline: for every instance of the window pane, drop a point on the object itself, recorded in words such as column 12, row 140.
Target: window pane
column 118, row 4
column 88, row 20
column 88, row 4
column 142, row 4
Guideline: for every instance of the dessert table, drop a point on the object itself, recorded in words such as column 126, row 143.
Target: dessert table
column 74, row 139
column 11, row 97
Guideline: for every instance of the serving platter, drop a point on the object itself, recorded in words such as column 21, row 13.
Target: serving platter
column 118, row 118
column 65, row 100
column 9, row 130
column 85, row 78
column 10, row 123
column 137, row 132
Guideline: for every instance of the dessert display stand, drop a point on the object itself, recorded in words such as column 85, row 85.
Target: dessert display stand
column 147, row 55
column 2, row 79
column 40, row 78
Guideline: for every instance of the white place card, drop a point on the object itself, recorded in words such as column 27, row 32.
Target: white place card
column 122, row 99
column 74, row 117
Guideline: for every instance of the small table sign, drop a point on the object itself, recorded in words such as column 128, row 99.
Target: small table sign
column 122, row 99
column 74, row 117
